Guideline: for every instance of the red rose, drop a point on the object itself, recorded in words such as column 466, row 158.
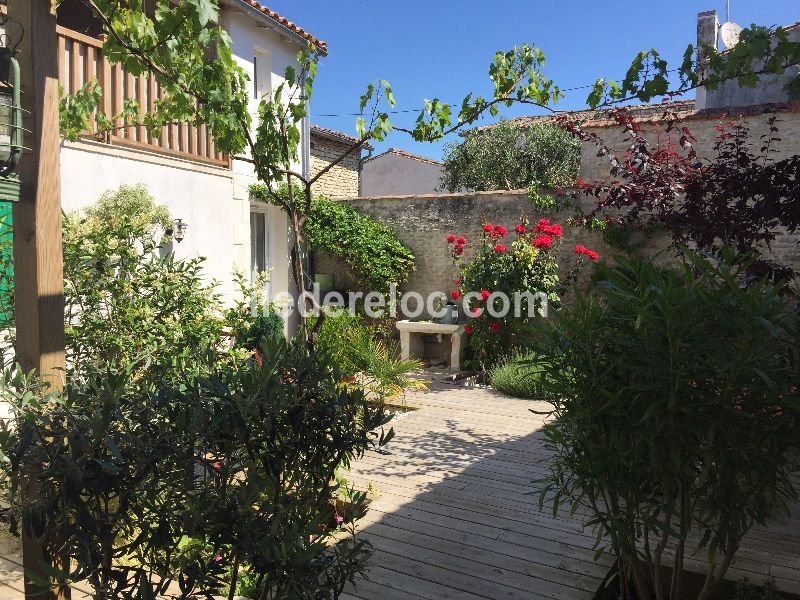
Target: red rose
column 499, row 248
column 591, row 254
column 468, row 329
column 488, row 228
column 451, row 238
column 495, row 326
column 461, row 241
column 499, row 231
column 457, row 281
column 541, row 225
column 520, row 229
column 554, row 230
column 459, row 250
column 455, row 294
column 485, row 295
column 542, row 241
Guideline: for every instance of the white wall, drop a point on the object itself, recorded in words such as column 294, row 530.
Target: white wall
column 247, row 38
column 395, row 175
column 200, row 195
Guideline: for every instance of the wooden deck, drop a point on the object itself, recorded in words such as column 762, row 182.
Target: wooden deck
column 455, row 517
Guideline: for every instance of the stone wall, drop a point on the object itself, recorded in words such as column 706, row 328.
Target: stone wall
column 342, row 181
column 701, row 125
column 423, row 222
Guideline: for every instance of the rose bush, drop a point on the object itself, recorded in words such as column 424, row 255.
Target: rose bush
column 506, row 266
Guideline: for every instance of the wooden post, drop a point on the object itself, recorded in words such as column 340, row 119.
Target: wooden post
column 38, row 258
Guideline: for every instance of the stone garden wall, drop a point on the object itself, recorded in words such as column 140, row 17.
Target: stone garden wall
column 422, row 222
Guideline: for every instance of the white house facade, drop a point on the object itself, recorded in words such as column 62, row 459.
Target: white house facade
column 181, row 168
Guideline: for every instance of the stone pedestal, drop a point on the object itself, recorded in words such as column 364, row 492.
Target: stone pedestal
column 412, row 345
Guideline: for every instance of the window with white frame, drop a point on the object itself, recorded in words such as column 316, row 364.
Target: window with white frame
column 262, row 73
column 259, row 244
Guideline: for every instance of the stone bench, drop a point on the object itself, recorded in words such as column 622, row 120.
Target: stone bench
column 412, row 344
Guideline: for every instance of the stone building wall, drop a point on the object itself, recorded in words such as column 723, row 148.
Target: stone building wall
column 342, row 181
column 702, row 126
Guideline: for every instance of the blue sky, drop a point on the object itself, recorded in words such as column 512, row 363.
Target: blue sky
column 442, row 49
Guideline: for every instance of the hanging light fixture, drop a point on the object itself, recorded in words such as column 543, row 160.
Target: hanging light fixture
column 180, row 230
column 10, row 120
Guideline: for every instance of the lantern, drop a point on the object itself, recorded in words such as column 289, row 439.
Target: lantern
column 10, row 125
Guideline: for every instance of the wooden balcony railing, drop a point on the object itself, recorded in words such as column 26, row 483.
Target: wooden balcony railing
column 81, row 60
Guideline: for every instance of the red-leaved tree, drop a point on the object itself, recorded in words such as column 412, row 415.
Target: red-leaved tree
column 741, row 196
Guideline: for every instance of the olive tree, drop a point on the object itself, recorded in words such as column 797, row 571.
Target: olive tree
column 509, row 156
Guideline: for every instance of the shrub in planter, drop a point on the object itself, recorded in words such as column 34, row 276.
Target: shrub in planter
column 359, row 350
column 676, row 396
column 519, row 261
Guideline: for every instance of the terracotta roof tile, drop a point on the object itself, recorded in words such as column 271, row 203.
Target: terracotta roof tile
column 323, row 46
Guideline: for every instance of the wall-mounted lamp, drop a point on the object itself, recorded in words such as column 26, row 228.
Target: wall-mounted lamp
column 10, row 125
column 180, row 230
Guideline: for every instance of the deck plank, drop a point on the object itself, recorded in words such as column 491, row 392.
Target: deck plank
column 455, row 513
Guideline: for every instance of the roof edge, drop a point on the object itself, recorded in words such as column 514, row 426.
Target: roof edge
column 405, row 154
column 269, row 17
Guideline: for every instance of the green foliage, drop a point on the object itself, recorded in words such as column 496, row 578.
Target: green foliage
column 372, row 249
column 170, row 456
column 6, row 268
column 189, row 54
column 522, row 267
column 675, row 402
column 252, row 319
column 127, row 301
column 512, row 157
column 182, row 483
column 360, row 352
column 519, row 376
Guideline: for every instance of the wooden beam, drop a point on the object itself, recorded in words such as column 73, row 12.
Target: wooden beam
column 37, row 233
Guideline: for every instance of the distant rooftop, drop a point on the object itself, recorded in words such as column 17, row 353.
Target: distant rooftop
column 336, row 136
column 404, row 154
column 649, row 113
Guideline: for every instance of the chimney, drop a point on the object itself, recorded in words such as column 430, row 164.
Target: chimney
column 707, row 28
column 708, row 34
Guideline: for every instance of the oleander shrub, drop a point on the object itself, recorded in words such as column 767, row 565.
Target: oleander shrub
column 676, row 401
column 198, row 482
